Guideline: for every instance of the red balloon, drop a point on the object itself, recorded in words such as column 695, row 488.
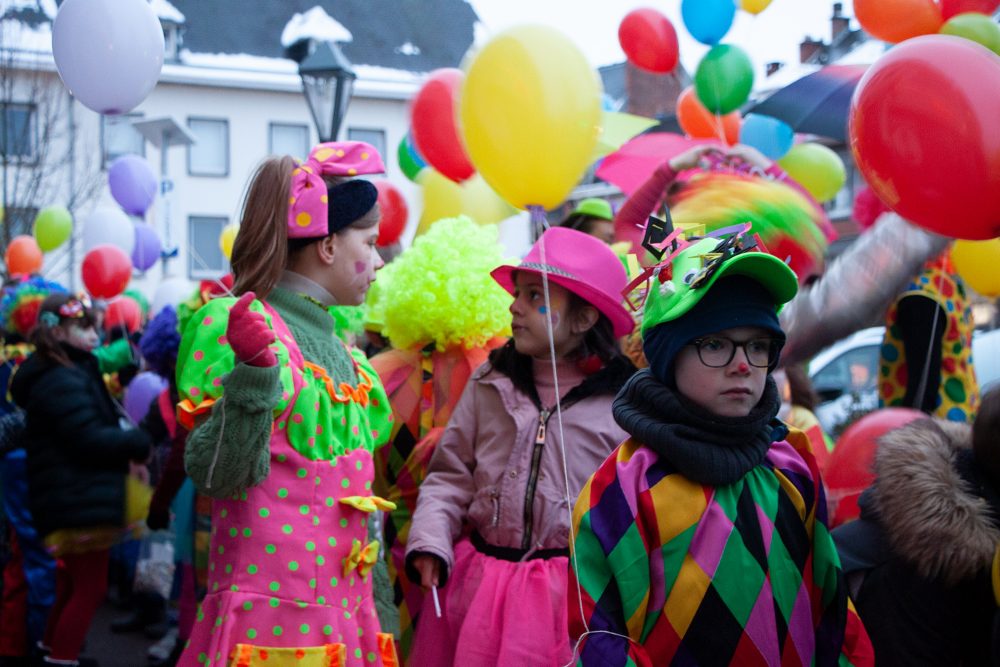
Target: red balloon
column 934, row 159
column 392, row 205
column 649, row 40
column 951, row 8
column 124, row 312
column 435, row 126
column 23, row 255
column 699, row 122
column 106, row 271
column 849, row 470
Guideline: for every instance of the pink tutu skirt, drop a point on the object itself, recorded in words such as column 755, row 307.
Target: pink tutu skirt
column 496, row 612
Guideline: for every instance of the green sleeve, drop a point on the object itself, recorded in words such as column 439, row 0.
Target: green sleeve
column 114, row 356
column 233, row 405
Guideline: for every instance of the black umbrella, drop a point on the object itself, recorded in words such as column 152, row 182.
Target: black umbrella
column 818, row 103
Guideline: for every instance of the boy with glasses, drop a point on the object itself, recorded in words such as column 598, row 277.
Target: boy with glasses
column 703, row 538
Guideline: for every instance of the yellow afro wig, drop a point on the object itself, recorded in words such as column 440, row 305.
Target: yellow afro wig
column 440, row 289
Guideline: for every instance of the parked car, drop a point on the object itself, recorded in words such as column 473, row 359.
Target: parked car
column 845, row 375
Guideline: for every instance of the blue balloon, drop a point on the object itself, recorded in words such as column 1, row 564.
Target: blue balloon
column 770, row 136
column 414, row 153
column 708, row 21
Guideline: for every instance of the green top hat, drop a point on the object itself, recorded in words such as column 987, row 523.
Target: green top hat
column 595, row 208
column 698, row 266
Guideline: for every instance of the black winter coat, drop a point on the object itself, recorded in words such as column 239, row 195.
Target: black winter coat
column 922, row 551
column 78, row 453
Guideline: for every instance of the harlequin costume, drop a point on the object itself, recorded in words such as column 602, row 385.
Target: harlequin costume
column 952, row 376
column 703, row 539
column 286, row 452
column 433, row 356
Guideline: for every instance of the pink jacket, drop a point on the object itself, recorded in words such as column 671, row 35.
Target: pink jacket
column 485, row 466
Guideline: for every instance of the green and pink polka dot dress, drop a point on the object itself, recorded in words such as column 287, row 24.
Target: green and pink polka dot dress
column 289, row 578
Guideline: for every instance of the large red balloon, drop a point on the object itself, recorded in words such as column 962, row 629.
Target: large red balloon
column 925, row 132
column 649, row 40
column 849, row 471
column 434, row 125
column 392, row 206
column 951, row 8
column 123, row 313
column 106, row 271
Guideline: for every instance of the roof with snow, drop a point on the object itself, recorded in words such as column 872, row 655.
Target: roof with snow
column 412, row 35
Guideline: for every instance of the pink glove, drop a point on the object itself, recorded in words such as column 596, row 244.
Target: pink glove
column 249, row 335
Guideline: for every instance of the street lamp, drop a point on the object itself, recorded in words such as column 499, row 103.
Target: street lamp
column 328, row 82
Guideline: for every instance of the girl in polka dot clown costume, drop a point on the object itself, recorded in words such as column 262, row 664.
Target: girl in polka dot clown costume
column 284, row 420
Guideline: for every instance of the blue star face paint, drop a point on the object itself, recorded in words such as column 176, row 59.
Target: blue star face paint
column 543, row 310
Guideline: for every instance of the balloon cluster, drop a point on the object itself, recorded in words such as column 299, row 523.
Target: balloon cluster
column 709, row 109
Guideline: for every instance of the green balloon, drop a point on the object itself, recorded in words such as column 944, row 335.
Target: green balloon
column 724, row 79
column 978, row 28
column 53, row 226
column 409, row 165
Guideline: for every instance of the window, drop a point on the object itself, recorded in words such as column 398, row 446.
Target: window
column 854, row 371
column 209, row 155
column 205, row 258
column 289, row 139
column 843, row 203
column 20, row 220
column 374, row 137
column 119, row 137
column 18, row 135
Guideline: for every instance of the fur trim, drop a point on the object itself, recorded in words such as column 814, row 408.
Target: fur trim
column 932, row 516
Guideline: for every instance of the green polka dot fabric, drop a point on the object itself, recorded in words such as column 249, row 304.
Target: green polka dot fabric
column 283, row 555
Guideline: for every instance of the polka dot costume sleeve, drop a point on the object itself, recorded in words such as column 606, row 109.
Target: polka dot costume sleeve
column 205, row 359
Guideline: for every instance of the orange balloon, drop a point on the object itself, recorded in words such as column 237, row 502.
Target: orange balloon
column 699, row 122
column 23, row 255
column 896, row 20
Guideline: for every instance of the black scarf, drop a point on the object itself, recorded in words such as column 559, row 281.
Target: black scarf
column 704, row 447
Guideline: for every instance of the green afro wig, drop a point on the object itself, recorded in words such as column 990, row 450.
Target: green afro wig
column 441, row 290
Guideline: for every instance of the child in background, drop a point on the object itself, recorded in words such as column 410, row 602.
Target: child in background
column 702, row 539
column 492, row 519
column 78, row 462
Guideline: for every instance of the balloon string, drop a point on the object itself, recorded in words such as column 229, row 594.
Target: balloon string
column 539, row 223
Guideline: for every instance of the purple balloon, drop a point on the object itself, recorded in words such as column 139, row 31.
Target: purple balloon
column 147, row 247
column 141, row 392
column 133, row 184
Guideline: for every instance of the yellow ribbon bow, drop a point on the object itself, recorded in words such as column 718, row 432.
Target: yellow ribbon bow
column 369, row 503
column 363, row 559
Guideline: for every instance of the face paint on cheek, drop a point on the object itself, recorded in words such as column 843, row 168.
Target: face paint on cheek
column 360, row 267
column 543, row 310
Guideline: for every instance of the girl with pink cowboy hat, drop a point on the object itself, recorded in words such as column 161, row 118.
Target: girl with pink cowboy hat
column 490, row 532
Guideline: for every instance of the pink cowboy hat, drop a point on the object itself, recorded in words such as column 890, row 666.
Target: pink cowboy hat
column 582, row 264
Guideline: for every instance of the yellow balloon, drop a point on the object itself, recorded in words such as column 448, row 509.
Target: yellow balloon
column 754, row 6
column 227, row 238
column 530, row 110
column 976, row 262
column 817, row 169
column 443, row 198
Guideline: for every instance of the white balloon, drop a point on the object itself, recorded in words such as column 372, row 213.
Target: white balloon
column 109, row 53
column 108, row 225
column 171, row 292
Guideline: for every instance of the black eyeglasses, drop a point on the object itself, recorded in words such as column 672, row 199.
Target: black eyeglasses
column 716, row 351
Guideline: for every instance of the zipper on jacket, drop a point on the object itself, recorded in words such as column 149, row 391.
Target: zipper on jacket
column 495, row 496
column 529, row 495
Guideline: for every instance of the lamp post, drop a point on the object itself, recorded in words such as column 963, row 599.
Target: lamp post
column 328, row 82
